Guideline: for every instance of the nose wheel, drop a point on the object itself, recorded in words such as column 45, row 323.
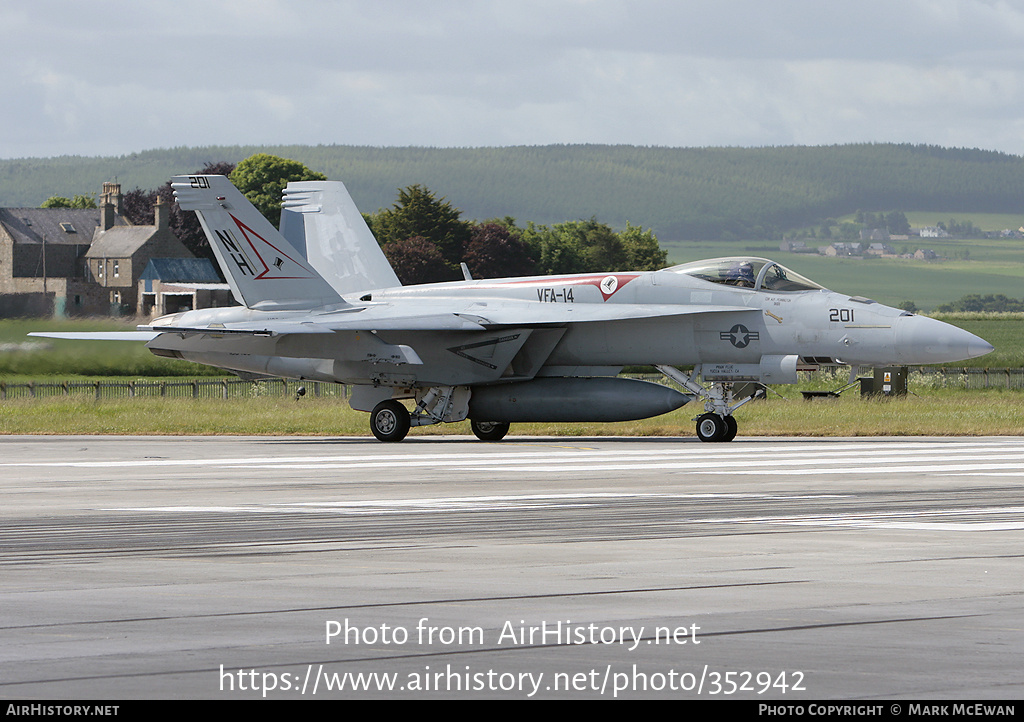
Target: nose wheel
column 712, row 427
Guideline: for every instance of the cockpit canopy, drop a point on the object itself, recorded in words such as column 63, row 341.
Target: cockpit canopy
column 759, row 274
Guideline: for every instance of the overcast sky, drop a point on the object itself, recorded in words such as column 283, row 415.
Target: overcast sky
column 118, row 76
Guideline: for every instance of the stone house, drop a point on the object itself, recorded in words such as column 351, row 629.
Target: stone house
column 42, row 266
column 119, row 252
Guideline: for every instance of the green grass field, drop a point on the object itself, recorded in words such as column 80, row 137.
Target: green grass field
column 929, row 413
column 23, row 357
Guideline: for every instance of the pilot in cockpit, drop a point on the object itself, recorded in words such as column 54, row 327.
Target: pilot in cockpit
column 741, row 274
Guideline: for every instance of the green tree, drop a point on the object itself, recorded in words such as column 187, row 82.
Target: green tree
column 262, row 178
column 592, row 247
column 990, row 303
column 419, row 212
column 642, row 249
column 79, row 201
column 598, row 247
column 849, row 231
column 554, row 251
column 605, row 250
column 897, row 223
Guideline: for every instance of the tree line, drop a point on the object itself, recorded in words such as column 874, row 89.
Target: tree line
column 423, row 237
column 681, row 193
column 426, row 240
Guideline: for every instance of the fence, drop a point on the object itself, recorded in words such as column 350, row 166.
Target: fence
column 936, row 377
column 195, row 389
column 972, row 378
column 963, row 378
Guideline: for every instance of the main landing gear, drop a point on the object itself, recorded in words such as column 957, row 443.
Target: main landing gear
column 489, row 430
column 390, row 421
column 717, row 422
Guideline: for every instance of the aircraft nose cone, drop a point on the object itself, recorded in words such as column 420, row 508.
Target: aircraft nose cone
column 922, row 340
column 979, row 347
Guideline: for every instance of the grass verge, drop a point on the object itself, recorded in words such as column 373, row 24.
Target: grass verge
column 943, row 413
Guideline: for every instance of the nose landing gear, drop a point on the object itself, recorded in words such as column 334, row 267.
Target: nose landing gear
column 712, row 427
column 717, row 423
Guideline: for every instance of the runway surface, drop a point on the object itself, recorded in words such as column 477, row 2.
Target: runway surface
column 788, row 569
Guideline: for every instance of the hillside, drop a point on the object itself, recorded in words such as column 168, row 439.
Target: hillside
column 682, row 193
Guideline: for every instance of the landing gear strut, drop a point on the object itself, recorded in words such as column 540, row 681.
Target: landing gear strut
column 717, row 422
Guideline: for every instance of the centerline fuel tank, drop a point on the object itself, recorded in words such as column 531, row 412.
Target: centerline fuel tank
column 574, row 399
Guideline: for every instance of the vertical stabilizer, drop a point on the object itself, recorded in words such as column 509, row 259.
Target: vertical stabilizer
column 264, row 270
column 321, row 219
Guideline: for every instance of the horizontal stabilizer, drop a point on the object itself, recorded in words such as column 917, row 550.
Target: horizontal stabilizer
column 261, row 329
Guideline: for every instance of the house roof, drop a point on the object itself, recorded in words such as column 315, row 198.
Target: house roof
column 31, row 225
column 120, row 241
column 180, row 270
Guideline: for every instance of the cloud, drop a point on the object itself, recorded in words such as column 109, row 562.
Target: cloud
column 122, row 76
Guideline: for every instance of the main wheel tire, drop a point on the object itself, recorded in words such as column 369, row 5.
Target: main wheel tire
column 731, row 427
column 489, row 430
column 389, row 421
column 711, row 427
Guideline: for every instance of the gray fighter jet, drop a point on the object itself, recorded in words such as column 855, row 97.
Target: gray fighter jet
column 320, row 302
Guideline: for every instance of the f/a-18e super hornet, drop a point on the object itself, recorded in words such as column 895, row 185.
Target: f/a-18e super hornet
column 320, row 302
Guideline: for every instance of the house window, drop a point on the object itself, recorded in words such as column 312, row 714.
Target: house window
column 99, row 268
column 116, row 274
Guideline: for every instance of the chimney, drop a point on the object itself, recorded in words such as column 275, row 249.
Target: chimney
column 112, row 195
column 161, row 214
column 106, row 216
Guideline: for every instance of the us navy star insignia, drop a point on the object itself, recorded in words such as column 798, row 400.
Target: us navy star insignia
column 739, row 336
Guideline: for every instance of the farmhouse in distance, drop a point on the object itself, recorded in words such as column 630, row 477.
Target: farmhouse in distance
column 94, row 262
